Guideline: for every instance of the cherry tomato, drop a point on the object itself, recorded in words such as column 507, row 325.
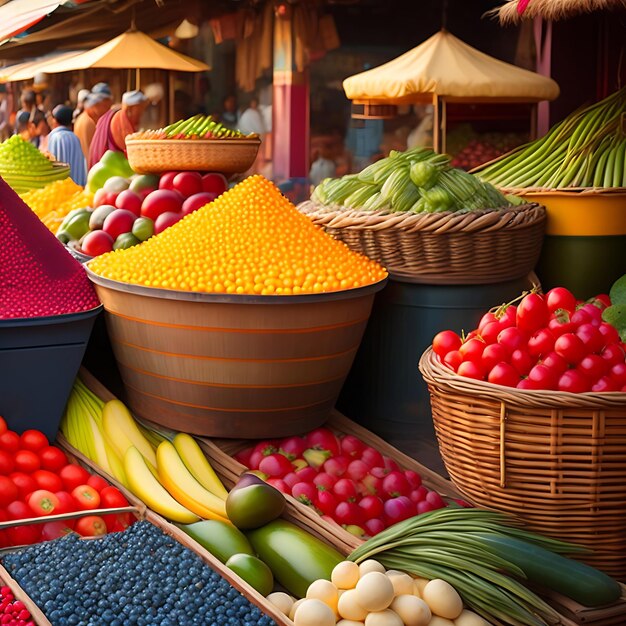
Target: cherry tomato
column 453, row 360
column 490, row 332
column 602, row 301
column 581, row 316
column 609, row 332
column 3, row 425
column 73, row 476
column 43, row 502
column 33, row 440
column 560, row 298
column 26, row 461
column 24, row 535
column 18, row 510
column 4, row 535
column 571, row 348
column 6, row 463
column 111, row 497
column 508, row 317
column 522, row 362
column 8, row 491
column 541, row 342
column 555, row 362
column 47, row 480
column 446, row 341
column 472, row 350
column 532, row 313
column 613, row 354
column 97, row 482
column 574, row 381
column 91, row 526
column 493, row 354
column 544, row 377
column 504, row 374
column 469, row 369
column 487, row 318
column 25, row 483
column 593, row 366
column 86, row 497
column 52, row 458
column 618, row 374
column 591, row 337
column 606, row 383
column 561, row 324
column 527, row 383
column 513, row 338
column 10, row 441
column 56, row 529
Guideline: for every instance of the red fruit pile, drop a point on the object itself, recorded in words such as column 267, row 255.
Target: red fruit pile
column 551, row 342
column 343, row 478
column 13, row 612
column 37, row 276
column 36, row 480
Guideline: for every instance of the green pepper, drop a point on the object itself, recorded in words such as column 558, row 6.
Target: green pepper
column 295, row 557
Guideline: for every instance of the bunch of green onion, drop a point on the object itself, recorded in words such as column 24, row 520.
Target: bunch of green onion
column 415, row 181
column 447, row 544
column 586, row 149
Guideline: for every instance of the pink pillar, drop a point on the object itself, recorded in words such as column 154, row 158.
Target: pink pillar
column 290, row 112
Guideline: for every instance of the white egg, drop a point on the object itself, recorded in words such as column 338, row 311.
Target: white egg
column 313, row 612
column 383, row 618
column 283, row 601
column 325, row 591
column 345, row 575
column 370, row 566
column 402, row 583
column 469, row 618
column 412, row 610
column 375, row 591
column 442, row 598
column 349, row 607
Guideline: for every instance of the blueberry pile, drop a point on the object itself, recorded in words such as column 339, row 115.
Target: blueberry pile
column 139, row 576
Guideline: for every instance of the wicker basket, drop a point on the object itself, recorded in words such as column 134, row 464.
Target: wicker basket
column 470, row 248
column 555, row 459
column 227, row 156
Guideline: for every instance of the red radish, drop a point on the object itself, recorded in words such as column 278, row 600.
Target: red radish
column 243, row 456
column 395, row 484
column 291, row 479
column 118, row 222
column 292, row 447
column 326, row 502
column 419, row 494
column 197, row 201
column 130, row 201
column 323, row 439
column 345, row 489
column 372, row 507
column 349, row 513
column 371, row 485
column 97, row 242
column 351, row 446
column 379, row 472
column 398, row 509
column 413, row 478
column 325, row 481
column 306, row 474
column 435, row 499
column 424, row 507
column 275, row 465
column 305, row 493
column 336, row 465
column 372, row 457
column 357, row 470
column 374, row 526
column 280, row 484
column 390, row 464
column 187, row 183
column 214, row 183
column 165, row 220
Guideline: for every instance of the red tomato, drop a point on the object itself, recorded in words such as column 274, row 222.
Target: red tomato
column 469, row 369
column 10, row 441
column 571, row 348
column 52, row 458
column 544, row 377
column 56, row 529
column 504, row 374
column 526, row 383
column 541, row 342
column 490, row 331
column 606, row 383
column 24, row 535
column 86, row 497
column 472, row 350
column 618, row 374
column 24, row 482
column 67, row 504
column 574, row 381
column 613, row 353
column 6, row 463
column 33, row 440
column 453, row 360
column 591, row 337
column 97, row 482
column 513, row 338
column 446, row 341
column 3, row 426
column 73, row 475
column 555, row 362
column 609, row 333
column 532, row 313
column 560, row 298
column 487, row 318
column 117, row 523
column 19, row 510
column 91, row 526
column 602, row 300
column 561, row 324
column 26, row 461
column 8, row 491
column 111, row 497
column 508, row 317
column 522, row 362
column 43, row 502
column 47, row 480
column 4, row 535
column 593, row 366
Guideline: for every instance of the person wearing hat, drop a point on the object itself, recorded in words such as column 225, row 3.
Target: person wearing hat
column 94, row 107
column 80, row 102
column 64, row 145
column 113, row 127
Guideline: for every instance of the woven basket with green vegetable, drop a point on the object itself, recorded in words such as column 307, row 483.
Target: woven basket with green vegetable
column 430, row 222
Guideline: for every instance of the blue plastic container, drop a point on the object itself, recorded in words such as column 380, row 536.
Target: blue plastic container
column 384, row 391
column 39, row 360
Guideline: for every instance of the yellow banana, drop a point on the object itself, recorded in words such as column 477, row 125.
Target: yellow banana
column 115, row 461
column 148, row 489
column 196, row 462
column 181, row 484
column 123, row 432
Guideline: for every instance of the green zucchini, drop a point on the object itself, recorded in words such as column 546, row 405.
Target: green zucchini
column 295, row 557
column 580, row 582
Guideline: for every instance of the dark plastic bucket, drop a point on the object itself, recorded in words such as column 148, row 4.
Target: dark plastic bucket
column 384, row 390
column 39, row 360
column 587, row 266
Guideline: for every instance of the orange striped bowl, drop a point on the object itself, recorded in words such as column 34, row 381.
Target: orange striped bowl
column 233, row 365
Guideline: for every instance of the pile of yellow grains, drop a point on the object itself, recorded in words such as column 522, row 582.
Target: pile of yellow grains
column 250, row 240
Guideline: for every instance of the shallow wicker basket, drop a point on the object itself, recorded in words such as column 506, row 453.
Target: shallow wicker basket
column 469, row 248
column 555, row 459
column 228, row 156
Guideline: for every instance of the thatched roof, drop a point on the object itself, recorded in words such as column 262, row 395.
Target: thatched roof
column 513, row 11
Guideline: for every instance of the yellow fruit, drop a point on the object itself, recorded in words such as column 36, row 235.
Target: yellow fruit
column 250, row 240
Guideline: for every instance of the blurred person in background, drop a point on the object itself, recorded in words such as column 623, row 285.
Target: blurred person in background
column 64, row 145
column 80, row 103
column 94, row 107
column 4, row 113
column 251, row 121
column 42, row 131
column 228, row 114
column 27, row 105
column 155, row 93
column 116, row 124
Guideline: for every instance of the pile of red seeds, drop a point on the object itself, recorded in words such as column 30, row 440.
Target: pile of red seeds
column 13, row 612
column 38, row 277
